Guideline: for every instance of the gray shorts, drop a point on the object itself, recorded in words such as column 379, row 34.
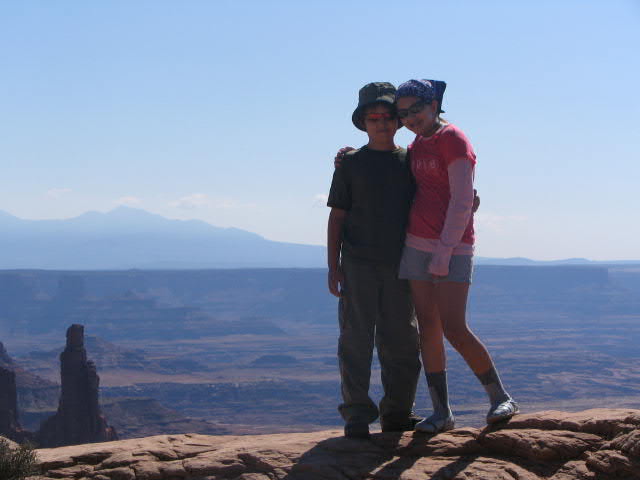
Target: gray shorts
column 414, row 265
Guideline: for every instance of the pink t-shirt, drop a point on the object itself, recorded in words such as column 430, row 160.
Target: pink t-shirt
column 430, row 159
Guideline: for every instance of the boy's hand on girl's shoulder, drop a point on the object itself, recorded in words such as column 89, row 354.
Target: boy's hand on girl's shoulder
column 336, row 282
column 476, row 201
column 337, row 161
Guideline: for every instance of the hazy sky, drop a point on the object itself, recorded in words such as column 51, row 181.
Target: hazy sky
column 231, row 111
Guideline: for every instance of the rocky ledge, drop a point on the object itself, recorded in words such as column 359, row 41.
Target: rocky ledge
column 599, row 444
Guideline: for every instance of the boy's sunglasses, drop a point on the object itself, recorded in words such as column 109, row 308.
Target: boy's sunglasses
column 380, row 116
column 412, row 110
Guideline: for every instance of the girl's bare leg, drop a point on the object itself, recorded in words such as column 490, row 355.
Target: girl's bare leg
column 431, row 335
column 452, row 306
column 433, row 356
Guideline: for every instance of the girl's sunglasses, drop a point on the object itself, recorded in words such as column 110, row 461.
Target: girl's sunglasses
column 412, row 110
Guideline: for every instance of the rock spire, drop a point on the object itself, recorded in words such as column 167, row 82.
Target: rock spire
column 78, row 419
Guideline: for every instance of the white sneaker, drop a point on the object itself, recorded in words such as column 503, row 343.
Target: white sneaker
column 435, row 424
column 503, row 411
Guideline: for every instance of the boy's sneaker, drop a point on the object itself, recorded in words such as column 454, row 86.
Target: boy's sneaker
column 405, row 424
column 356, row 429
column 502, row 412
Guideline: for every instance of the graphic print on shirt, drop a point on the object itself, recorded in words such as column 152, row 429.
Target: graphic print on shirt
column 425, row 166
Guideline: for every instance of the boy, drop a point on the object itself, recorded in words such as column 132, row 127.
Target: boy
column 370, row 198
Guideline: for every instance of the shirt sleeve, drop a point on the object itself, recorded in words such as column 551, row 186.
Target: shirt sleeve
column 455, row 145
column 340, row 193
column 458, row 214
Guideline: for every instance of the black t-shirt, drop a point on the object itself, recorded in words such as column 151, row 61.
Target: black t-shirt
column 376, row 188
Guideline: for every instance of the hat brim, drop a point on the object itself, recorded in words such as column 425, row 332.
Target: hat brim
column 356, row 117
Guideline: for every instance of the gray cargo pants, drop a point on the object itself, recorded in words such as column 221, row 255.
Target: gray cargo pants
column 376, row 307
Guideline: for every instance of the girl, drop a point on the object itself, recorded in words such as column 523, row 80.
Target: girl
column 437, row 258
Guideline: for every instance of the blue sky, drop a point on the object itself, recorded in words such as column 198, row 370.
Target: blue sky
column 231, row 111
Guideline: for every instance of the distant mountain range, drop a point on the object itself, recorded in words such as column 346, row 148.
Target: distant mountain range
column 127, row 238
column 521, row 261
column 130, row 238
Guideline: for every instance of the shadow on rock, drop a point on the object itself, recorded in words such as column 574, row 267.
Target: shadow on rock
column 345, row 458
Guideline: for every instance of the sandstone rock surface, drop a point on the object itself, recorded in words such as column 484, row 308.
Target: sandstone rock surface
column 599, row 444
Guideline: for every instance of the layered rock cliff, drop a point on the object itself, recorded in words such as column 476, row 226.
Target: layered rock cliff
column 9, row 425
column 599, row 444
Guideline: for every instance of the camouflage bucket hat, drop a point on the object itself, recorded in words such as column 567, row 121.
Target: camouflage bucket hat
column 371, row 93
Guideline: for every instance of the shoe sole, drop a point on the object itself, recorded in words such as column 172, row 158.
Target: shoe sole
column 407, row 426
column 502, row 418
column 445, row 428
